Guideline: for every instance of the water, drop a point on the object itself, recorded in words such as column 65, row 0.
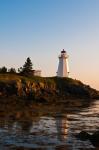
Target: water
column 49, row 131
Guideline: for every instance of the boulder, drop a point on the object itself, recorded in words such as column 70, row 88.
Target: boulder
column 94, row 138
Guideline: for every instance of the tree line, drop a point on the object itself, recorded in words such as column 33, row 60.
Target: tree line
column 26, row 69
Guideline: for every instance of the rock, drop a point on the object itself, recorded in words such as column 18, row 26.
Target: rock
column 83, row 136
column 94, row 138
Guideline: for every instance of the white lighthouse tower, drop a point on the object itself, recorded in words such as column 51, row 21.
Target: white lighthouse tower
column 63, row 68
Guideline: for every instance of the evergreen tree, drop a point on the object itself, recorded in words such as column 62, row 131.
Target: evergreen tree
column 3, row 70
column 27, row 68
column 12, row 70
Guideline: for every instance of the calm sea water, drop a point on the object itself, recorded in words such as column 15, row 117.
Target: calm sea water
column 55, row 131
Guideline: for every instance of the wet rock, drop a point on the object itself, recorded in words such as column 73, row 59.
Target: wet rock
column 94, row 138
column 83, row 136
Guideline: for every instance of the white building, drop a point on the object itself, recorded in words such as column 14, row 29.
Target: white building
column 37, row 73
column 63, row 68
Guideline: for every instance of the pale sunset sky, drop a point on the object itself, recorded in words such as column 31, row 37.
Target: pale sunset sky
column 40, row 29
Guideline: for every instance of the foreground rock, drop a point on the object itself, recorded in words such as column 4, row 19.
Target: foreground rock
column 94, row 138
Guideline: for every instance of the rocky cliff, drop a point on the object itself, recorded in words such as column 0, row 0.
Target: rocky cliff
column 44, row 89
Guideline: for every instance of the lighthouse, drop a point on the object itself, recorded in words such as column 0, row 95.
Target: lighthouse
column 63, row 68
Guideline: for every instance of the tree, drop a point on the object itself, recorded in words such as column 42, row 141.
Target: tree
column 3, row 70
column 27, row 68
column 12, row 70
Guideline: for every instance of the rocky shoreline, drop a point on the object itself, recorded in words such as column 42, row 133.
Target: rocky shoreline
column 40, row 89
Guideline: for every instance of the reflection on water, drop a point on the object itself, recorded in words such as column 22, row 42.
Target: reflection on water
column 49, row 132
column 62, row 127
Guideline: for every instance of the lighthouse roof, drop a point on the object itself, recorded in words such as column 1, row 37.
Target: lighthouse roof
column 63, row 51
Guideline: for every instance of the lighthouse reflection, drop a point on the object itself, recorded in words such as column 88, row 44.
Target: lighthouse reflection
column 62, row 127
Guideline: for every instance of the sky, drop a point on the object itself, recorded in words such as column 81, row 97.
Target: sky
column 40, row 29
